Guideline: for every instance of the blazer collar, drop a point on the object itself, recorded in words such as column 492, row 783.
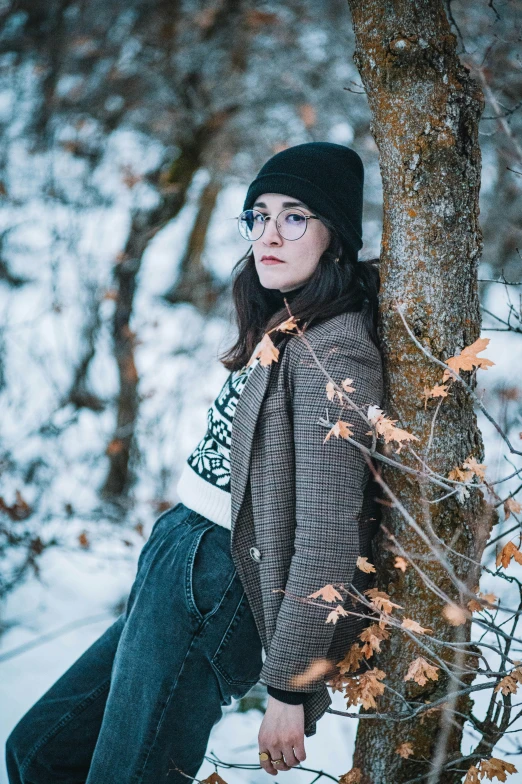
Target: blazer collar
column 242, row 435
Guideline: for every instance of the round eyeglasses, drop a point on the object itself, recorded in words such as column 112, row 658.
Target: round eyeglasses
column 291, row 224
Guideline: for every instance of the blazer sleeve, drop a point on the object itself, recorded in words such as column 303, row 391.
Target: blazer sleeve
column 329, row 485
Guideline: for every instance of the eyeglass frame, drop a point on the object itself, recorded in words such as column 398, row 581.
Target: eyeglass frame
column 285, row 209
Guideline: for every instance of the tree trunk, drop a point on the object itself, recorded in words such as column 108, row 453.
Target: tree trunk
column 425, row 112
column 195, row 283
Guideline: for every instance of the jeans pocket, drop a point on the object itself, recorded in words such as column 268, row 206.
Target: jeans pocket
column 238, row 660
column 210, row 568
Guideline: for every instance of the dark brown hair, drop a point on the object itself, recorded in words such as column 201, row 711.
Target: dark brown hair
column 333, row 288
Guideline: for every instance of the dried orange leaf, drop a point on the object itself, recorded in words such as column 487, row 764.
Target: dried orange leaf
column 482, row 600
column 472, row 776
column 364, row 565
column 477, row 468
column 266, row 352
column 508, row 684
column 439, row 390
column 372, row 636
column 328, row 593
column 364, row 688
column 347, row 385
column 331, row 392
column 510, row 505
column 214, row 778
column 354, row 776
column 495, row 768
column 288, row 326
column 381, row 600
column 458, row 475
column 400, row 563
column 386, row 428
column 467, row 359
column 405, row 750
column 352, row 660
column 413, row 626
column 335, row 614
column 340, row 429
column 509, row 551
column 421, row 671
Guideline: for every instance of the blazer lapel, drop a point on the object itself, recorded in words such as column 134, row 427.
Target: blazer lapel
column 242, row 435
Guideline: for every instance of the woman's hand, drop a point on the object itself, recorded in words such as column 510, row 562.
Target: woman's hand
column 282, row 735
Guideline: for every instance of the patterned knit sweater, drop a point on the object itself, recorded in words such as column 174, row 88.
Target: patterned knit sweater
column 204, row 483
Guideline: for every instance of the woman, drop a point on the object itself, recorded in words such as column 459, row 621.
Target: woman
column 269, row 514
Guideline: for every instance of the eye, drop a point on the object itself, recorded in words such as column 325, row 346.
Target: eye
column 294, row 217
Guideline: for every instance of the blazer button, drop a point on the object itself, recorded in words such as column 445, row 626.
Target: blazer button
column 255, row 554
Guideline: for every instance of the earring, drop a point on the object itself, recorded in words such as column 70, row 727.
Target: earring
column 336, row 260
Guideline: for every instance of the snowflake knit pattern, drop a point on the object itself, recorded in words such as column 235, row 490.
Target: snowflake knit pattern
column 204, row 483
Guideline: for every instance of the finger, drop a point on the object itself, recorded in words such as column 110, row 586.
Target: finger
column 278, row 754
column 299, row 750
column 267, row 765
column 290, row 757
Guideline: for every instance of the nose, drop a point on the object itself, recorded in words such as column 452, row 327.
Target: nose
column 270, row 235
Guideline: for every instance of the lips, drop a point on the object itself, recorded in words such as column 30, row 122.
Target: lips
column 271, row 260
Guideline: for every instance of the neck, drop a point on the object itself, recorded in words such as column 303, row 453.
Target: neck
column 278, row 296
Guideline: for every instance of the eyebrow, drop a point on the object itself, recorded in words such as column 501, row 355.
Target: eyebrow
column 285, row 204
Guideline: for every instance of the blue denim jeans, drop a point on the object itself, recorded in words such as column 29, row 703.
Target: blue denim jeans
column 142, row 700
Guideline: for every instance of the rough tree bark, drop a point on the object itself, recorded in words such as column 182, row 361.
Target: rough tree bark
column 425, row 112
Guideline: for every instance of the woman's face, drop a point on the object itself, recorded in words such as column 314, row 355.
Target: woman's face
column 297, row 258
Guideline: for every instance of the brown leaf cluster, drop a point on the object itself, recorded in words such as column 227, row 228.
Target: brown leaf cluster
column 386, row 428
column 489, row 769
column 466, row 360
column 470, row 468
column 331, row 391
column 381, row 600
column 365, row 688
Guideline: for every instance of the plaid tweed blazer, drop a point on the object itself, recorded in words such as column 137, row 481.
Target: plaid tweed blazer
column 307, row 508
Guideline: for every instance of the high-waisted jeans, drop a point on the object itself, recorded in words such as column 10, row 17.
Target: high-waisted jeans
column 143, row 698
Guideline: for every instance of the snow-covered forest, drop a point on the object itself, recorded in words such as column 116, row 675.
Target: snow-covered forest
column 130, row 132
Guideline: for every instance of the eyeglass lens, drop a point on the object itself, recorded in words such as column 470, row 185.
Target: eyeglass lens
column 291, row 224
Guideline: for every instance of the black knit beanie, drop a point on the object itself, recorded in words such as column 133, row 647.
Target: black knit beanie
column 327, row 177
